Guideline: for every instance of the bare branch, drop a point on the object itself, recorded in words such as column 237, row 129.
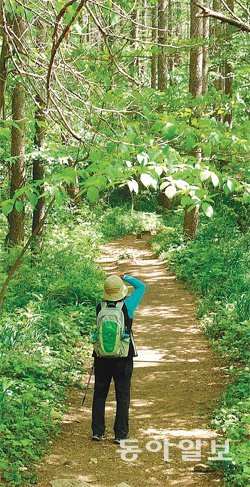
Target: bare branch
column 57, row 42
column 207, row 12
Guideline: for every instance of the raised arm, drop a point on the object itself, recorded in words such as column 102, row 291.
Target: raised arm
column 135, row 298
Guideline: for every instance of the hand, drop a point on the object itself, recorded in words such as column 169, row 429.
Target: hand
column 120, row 275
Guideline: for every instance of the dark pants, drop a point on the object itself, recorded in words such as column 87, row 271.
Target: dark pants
column 120, row 369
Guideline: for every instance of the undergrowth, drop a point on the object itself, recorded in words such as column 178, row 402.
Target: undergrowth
column 214, row 266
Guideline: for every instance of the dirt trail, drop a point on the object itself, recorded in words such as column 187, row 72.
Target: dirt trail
column 176, row 384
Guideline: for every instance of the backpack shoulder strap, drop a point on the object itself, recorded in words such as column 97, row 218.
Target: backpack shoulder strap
column 120, row 304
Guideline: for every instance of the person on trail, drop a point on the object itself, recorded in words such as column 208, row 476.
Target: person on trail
column 114, row 349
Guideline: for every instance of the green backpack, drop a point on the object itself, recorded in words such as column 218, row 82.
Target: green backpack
column 110, row 337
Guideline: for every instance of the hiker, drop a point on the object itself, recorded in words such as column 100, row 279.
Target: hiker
column 115, row 360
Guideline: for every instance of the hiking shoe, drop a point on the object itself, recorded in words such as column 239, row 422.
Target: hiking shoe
column 97, row 437
column 117, row 441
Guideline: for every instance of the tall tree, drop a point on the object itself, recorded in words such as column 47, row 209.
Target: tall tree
column 191, row 218
column 3, row 67
column 17, row 171
column 39, row 141
column 196, row 52
column 228, row 68
column 162, row 57
column 154, row 12
column 135, row 38
column 205, row 54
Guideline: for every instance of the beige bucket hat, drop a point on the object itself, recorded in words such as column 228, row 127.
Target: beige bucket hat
column 114, row 288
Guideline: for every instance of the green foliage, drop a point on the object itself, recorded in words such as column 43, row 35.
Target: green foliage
column 50, row 310
column 117, row 222
column 214, row 266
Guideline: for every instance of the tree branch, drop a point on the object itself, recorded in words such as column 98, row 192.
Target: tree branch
column 18, row 260
column 207, row 12
column 57, row 42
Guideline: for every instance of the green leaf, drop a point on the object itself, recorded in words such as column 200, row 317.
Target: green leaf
column 169, row 131
column 59, row 197
column 4, row 132
column 186, row 200
column 93, row 194
column 96, row 156
column 208, row 209
column 190, row 141
column 32, row 197
column 214, row 138
column 7, row 207
column 19, row 206
column 190, row 208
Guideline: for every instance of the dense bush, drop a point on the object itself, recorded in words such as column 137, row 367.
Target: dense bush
column 117, row 222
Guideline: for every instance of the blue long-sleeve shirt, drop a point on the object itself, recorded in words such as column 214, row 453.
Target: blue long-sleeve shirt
column 135, row 298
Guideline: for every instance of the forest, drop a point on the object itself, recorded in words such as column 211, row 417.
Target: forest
column 117, row 119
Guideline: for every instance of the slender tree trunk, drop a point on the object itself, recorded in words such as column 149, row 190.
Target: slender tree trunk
column 196, row 53
column 162, row 58
column 191, row 222
column 17, row 171
column 38, row 169
column 229, row 71
column 170, row 34
column 134, row 43
column 177, row 26
column 191, row 218
column 3, row 72
column 205, row 48
column 39, row 141
column 17, row 181
column 144, row 37
column 154, row 12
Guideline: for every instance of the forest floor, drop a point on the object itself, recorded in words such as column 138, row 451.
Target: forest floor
column 177, row 383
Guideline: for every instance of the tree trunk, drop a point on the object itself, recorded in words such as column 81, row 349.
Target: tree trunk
column 38, row 170
column 177, row 26
column 39, row 141
column 205, row 53
column 144, row 37
column 191, row 221
column 196, row 53
column 17, row 181
column 154, row 11
column 15, row 235
column 162, row 58
column 134, row 43
column 229, row 71
column 170, row 35
column 217, row 31
column 191, row 218
column 3, row 73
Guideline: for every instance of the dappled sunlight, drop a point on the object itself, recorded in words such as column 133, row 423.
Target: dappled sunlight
column 181, row 433
column 148, row 357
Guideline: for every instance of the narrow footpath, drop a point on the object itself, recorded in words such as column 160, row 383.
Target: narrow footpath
column 177, row 383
